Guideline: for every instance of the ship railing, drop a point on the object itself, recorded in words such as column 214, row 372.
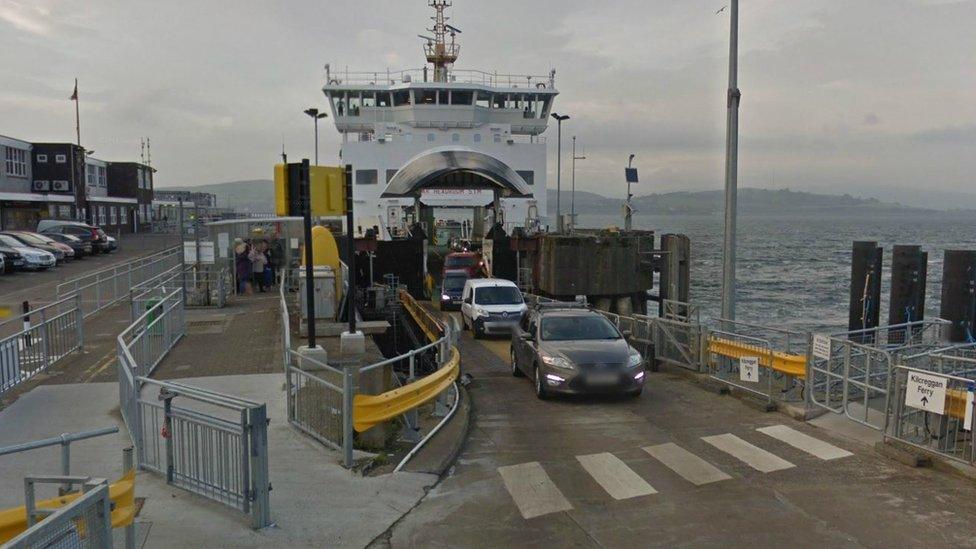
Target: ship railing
column 492, row 79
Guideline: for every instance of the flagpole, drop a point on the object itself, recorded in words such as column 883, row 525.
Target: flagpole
column 77, row 115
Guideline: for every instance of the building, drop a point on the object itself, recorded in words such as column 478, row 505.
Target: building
column 166, row 204
column 35, row 183
column 130, row 186
column 60, row 181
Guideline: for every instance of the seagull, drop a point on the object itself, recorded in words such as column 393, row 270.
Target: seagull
column 721, row 10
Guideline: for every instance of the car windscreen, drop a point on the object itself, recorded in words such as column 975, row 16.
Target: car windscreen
column 459, row 261
column 30, row 239
column 454, row 283
column 577, row 327
column 8, row 240
column 497, row 295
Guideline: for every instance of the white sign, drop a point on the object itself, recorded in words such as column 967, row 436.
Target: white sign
column 749, row 368
column 926, row 392
column 456, row 197
column 223, row 244
column 293, row 243
column 968, row 424
column 206, row 252
column 821, row 346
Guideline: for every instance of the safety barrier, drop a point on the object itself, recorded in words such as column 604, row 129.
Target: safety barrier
column 942, row 428
column 203, row 441
column 849, row 372
column 107, row 287
column 18, row 522
column 84, row 522
column 39, row 339
column 204, row 288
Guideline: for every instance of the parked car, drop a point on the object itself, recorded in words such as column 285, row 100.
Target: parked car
column 471, row 262
column 29, row 241
column 69, row 252
column 34, row 258
column 80, row 247
column 570, row 349
column 111, row 243
column 452, row 287
column 3, row 264
column 14, row 261
column 87, row 233
column 491, row 306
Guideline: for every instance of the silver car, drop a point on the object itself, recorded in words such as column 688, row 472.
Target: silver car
column 574, row 350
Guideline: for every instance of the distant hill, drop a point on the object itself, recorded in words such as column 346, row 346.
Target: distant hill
column 247, row 196
column 750, row 201
column 258, row 196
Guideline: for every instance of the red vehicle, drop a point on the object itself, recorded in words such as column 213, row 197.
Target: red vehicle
column 471, row 262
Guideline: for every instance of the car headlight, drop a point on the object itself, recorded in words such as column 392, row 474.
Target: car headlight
column 445, row 297
column 635, row 359
column 558, row 362
column 479, row 311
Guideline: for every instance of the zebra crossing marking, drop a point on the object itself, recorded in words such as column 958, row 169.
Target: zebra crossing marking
column 805, row 442
column 532, row 490
column 753, row 456
column 611, row 473
column 687, row 465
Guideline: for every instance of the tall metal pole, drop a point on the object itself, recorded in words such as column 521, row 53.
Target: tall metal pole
column 731, row 169
column 350, row 253
column 309, row 277
column 316, row 140
column 182, row 253
column 559, row 173
column 629, row 217
column 572, row 196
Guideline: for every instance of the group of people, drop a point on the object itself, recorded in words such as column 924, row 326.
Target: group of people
column 252, row 261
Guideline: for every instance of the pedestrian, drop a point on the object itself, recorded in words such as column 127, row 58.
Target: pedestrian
column 242, row 264
column 258, row 262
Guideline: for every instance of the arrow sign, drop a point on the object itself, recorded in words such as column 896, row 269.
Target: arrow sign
column 925, row 391
column 749, row 368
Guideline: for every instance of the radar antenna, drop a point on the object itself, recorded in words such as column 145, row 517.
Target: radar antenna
column 439, row 52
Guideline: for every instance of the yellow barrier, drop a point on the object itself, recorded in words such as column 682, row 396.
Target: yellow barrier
column 793, row 365
column 432, row 327
column 13, row 521
column 371, row 410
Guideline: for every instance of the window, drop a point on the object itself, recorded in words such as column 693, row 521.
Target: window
column 366, row 177
column 60, row 158
column 477, row 138
column 576, row 328
column 64, row 212
column 527, row 175
column 16, row 162
column 101, row 214
column 483, row 100
column 91, row 175
column 41, row 158
column 390, row 174
column 498, row 295
column 461, row 97
column 123, row 215
column 401, row 98
column 369, row 99
column 431, row 137
column 498, row 138
column 456, row 137
column 102, row 176
column 113, row 212
column 427, row 97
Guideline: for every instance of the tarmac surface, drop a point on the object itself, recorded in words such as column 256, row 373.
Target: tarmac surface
column 676, row 467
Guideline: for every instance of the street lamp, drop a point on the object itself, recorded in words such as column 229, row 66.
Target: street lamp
column 631, row 176
column 731, row 169
column 316, row 115
column 559, row 157
column 572, row 200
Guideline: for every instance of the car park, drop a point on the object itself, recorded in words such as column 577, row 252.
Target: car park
column 80, row 247
column 491, row 306
column 568, row 348
column 30, row 241
column 452, row 287
column 33, row 258
column 69, row 252
column 13, row 261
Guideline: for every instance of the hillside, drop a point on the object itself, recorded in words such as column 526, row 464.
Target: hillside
column 258, row 196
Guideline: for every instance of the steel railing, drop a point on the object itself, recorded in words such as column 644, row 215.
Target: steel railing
column 83, row 523
column 204, row 288
column 108, row 286
column 39, row 339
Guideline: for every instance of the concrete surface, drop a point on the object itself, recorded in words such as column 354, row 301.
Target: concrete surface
column 315, row 502
column 858, row 500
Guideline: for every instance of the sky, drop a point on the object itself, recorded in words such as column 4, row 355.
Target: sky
column 871, row 97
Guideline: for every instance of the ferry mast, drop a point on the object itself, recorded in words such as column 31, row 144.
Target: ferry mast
column 439, row 52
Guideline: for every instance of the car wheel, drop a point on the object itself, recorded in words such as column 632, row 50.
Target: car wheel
column 464, row 323
column 636, row 392
column 478, row 332
column 540, row 386
column 515, row 369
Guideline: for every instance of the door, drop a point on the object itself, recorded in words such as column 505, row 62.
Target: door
column 527, row 347
column 466, row 303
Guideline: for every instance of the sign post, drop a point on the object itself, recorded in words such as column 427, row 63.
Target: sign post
column 309, row 277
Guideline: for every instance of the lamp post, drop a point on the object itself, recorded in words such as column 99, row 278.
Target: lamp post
column 572, row 199
column 316, row 115
column 559, row 157
column 731, row 169
column 631, row 174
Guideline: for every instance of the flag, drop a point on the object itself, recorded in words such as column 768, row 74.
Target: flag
column 74, row 96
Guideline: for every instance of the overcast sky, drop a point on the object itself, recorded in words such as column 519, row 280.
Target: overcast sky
column 837, row 94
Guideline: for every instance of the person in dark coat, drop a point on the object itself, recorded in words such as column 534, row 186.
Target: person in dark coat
column 242, row 264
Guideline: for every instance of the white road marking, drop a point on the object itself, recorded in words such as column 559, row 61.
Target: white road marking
column 532, row 490
column 807, row 443
column 753, row 456
column 689, row 466
column 620, row 481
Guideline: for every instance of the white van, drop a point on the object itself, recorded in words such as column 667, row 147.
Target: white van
column 491, row 306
